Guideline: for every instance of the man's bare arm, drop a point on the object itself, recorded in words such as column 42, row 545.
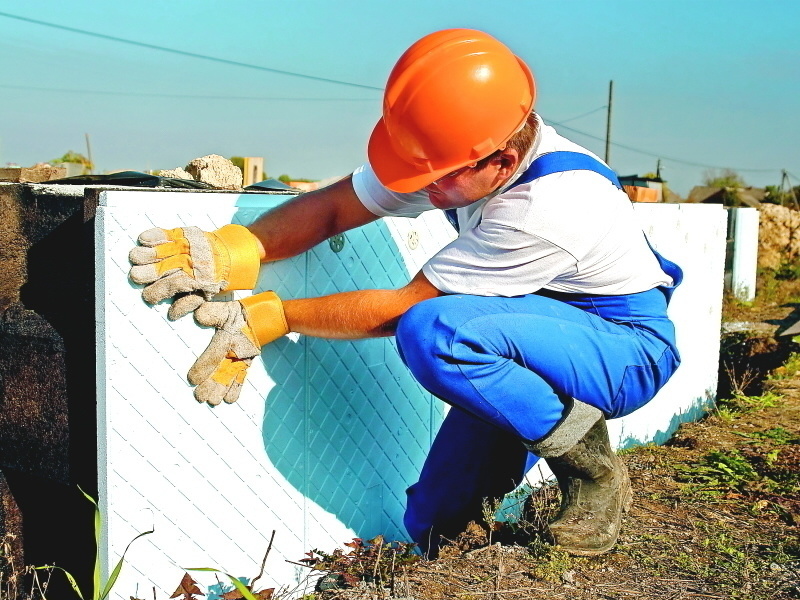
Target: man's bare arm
column 305, row 221
column 308, row 219
column 359, row 314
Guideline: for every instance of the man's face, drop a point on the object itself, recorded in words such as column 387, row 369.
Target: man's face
column 466, row 185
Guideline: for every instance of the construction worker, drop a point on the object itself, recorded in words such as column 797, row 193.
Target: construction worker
column 545, row 317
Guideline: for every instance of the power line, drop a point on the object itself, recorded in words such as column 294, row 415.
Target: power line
column 190, row 96
column 290, row 99
column 314, row 78
column 661, row 156
column 586, row 114
column 189, row 54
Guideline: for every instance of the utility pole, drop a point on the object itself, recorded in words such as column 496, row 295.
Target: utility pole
column 608, row 122
column 658, row 169
column 89, row 154
column 785, row 182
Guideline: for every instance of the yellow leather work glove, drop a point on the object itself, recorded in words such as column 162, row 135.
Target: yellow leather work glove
column 193, row 266
column 243, row 327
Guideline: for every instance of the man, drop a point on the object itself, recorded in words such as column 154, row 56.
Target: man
column 546, row 315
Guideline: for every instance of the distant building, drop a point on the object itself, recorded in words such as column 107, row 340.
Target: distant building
column 643, row 189
column 73, row 169
column 252, row 169
column 727, row 196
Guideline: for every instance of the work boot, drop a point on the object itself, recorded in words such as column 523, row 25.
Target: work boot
column 594, row 484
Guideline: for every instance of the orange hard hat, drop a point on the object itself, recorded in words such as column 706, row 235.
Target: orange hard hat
column 453, row 98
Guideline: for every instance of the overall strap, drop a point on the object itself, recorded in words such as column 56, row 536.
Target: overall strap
column 558, row 162
column 561, row 161
column 554, row 162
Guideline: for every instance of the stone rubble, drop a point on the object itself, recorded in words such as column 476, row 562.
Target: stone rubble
column 212, row 169
column 778, row 235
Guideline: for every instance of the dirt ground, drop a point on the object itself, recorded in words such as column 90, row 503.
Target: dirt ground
column 691, row 532
column 716, row 511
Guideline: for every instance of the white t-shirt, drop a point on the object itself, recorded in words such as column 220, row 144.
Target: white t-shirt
column 572, row 232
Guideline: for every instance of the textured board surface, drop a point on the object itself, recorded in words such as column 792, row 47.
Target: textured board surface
column 320, row 446
column 327, row 434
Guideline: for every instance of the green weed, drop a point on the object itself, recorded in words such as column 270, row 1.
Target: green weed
column 755, row 403
column 550, row 563
column 788, row 270
column 100, row 590
column 725, row 412
column 788, row 369
column 719, row 471
column 728, row 409
column 245, row 591
column 778, row 435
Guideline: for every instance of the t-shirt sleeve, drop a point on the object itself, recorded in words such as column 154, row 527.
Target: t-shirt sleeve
column 383, row 202
column 494, row 259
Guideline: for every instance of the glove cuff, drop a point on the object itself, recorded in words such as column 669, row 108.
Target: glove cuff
column 265, row 317
column 241, row 247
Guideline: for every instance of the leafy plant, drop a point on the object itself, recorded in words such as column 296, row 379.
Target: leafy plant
column 367, row 560
column 787, row 370
column 788, row 270
column 756, row 403
column 100, row 590
column 729, row 408
column 720, row 470
column 776, row 434
column 242, row 591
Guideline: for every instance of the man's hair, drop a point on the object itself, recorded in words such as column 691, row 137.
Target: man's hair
column 520, row 141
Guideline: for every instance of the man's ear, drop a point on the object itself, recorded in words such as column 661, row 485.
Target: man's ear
column 507, row 162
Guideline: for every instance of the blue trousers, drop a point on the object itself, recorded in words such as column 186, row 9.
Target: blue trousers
column 506, row 365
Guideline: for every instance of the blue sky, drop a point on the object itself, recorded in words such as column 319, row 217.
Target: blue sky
column 701, row 84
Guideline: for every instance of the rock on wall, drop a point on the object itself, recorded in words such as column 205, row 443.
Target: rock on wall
column 778, row 236
column 212, row 169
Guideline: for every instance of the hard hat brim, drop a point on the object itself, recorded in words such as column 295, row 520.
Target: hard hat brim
column 393, row 171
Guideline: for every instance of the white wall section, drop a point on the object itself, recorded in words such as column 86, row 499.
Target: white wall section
column 326, row 434
column 693, row 236
column 744, row 252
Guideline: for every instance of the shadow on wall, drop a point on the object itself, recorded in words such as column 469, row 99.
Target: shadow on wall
column 699, row 408
column 346, row 424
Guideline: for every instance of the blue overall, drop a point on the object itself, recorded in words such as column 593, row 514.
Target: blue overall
column 506, row 366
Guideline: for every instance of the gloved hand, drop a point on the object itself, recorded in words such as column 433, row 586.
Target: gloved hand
column 243, row 327
column 193, row 265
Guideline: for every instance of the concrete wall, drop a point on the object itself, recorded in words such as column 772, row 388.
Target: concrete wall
column 327, row 434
